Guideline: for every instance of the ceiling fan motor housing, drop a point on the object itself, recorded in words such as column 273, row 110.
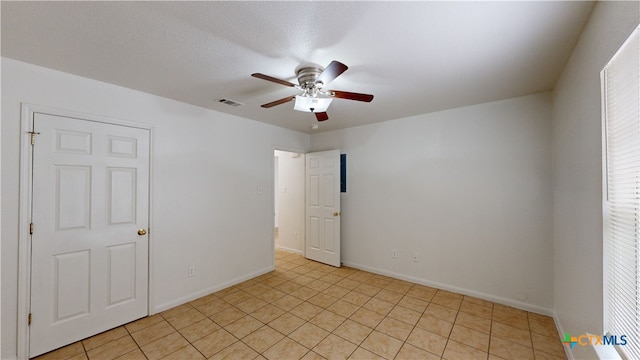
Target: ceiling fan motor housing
column 307, row 79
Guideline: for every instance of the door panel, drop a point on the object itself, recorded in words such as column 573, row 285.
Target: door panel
column 73, row 142
column 323, row 207
column 72, row 285
column 329, row 190
column 122, row 146
column 329, row 234
column 89, row 267
column 314, row 233
column 122, row 195
column 314, row 190
column 121, row 273
column 73, row 197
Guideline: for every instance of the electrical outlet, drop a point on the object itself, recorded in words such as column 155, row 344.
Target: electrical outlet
column 191, row 271
column 416, row 256
column 394, row 253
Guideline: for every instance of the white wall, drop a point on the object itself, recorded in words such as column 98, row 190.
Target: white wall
column 291, row 192
column 469, row 189
column 207, row 167
column 577, row 171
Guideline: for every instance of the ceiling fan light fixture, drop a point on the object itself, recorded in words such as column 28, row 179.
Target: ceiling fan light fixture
column 311, row 80
column 306, row 104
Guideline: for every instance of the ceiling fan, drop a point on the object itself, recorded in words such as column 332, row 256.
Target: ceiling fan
column 311, row 80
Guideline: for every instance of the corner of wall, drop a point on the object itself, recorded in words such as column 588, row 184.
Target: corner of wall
column 577, row 173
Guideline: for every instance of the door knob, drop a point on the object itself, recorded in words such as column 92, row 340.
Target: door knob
column 336, row 213
column 142, row 232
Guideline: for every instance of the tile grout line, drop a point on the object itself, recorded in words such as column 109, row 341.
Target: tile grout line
column 490, row 332
column 179, row 333
column 134, row 341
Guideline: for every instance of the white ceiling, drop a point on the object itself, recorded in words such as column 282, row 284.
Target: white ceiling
column 415, row 57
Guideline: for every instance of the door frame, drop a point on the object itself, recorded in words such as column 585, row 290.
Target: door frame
column 272, row 181
column 27, row 114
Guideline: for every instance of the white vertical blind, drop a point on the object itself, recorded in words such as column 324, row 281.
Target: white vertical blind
column 621, row 100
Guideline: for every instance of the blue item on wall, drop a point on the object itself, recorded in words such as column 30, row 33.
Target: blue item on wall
column 343, row 173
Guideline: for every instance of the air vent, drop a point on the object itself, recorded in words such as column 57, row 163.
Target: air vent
column 230, row 102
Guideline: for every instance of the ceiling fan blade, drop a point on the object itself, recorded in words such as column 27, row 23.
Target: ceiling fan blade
column 331, row 72
column 322, row 116
column 350, row 95
column 272, row 79
column 278, row 102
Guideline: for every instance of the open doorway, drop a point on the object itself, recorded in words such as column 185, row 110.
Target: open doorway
column 289, row 192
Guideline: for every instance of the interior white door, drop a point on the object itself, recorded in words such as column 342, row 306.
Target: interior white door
column 323, row 207
column 89, row 260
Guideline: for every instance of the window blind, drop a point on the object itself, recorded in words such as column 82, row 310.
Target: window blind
column 621, row 100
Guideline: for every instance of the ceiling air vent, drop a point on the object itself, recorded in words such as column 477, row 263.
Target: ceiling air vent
column 230, row 102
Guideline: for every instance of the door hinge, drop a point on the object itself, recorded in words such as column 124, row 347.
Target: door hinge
column 30, row 318
column 31, row 229
column 33, row 136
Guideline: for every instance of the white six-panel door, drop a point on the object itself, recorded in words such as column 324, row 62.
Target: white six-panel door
column 323, row 207
column 89, row 265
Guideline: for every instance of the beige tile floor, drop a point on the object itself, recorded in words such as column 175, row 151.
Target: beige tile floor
column 307, row 310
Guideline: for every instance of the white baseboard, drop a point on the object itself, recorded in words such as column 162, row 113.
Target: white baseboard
column 480, row 295
column 295, row 251
column 204, row 292
column 567, row 350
